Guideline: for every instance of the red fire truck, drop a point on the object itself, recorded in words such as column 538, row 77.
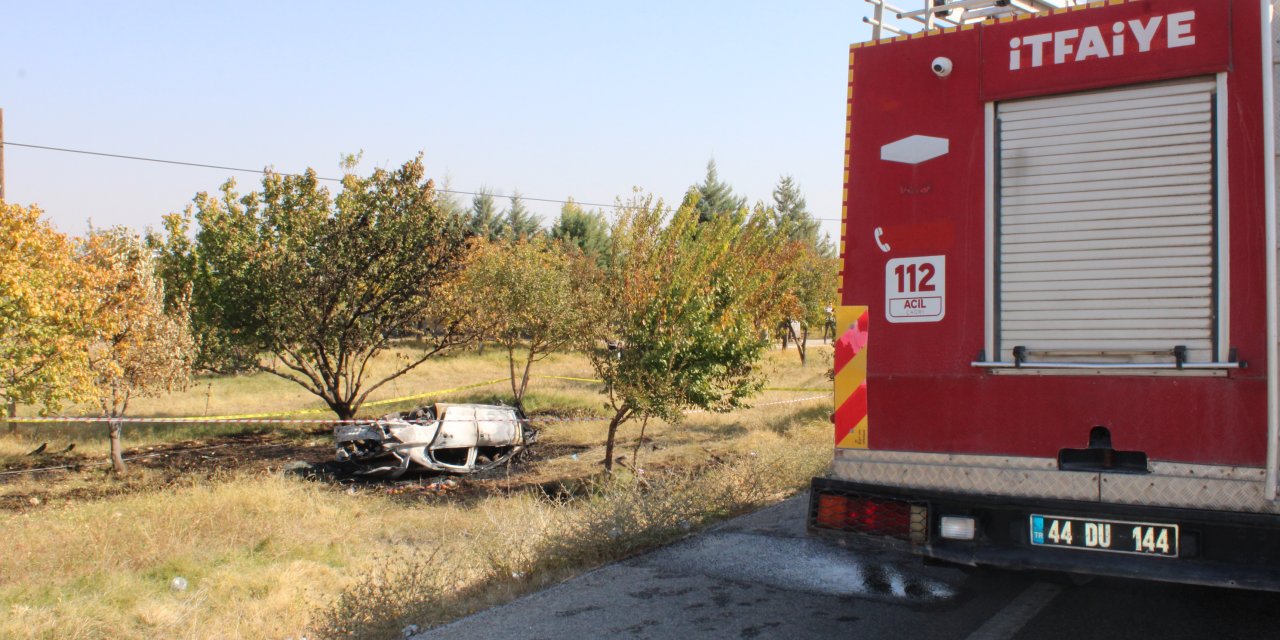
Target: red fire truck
column 1058, row 328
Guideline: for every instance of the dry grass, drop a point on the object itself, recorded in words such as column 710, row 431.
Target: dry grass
column 263, row 393
column 272, row 557
column 254, row 393
column 258, row 393
column 533, row 541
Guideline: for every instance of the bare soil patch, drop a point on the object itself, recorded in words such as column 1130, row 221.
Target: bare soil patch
column 64, row 478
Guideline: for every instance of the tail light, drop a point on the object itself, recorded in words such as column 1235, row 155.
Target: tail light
column 871, row 515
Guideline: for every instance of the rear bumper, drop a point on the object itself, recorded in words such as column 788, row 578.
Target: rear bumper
column 1218, row 548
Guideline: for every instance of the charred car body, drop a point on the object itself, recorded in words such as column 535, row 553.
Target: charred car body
column 454, row 438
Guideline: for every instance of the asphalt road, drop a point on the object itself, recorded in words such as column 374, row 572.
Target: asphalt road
column 761, row 576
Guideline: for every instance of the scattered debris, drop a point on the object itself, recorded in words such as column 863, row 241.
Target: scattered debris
column 435, row 487
column 455, row 438
column 409, row 630
column 298, row 467
column 178, row 583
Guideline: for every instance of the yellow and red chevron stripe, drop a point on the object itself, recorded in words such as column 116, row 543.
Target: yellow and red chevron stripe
column 851, row 377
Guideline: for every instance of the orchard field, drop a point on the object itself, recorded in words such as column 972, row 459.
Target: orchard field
column 641, row 342
column 265, row 552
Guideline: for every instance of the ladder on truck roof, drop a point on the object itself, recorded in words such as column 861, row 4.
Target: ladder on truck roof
column 888, row 21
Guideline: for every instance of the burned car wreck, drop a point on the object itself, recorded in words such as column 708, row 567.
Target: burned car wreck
column 454, row 438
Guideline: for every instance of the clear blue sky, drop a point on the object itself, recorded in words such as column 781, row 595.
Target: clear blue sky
column 556, row 99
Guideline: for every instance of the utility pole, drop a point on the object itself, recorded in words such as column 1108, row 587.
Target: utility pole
column 11, row 409
column 1, row 155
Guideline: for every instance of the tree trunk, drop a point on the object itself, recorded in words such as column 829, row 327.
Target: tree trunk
column 511, row 367
column 524, row 381
column 635, row 453
column 802, row 343
column 12, row 412
column 117, row 451
column 344, row 410
column 517, row 391
column 618, row 419
column 800, row 340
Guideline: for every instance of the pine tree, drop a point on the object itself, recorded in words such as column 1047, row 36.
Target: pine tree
column 519, row 222
column 587, row 230
column 791, row 216
column 449, row 202
column 484, row 215
column 715, row 198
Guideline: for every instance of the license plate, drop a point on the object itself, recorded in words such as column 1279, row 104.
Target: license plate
column 1116, row 536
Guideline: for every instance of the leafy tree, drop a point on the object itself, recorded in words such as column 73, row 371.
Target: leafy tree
column 807, row 282
column 713, row 197
column 44, row 314
column 324, row 283
column 486, row 221
column 530, row 296
column 587, row 230
column 175, row 258
column 137, row 348
column 684, row 304
column 519, row 222
column 177, row 262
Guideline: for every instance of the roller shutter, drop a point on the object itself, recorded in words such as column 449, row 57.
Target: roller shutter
column 1106, row 223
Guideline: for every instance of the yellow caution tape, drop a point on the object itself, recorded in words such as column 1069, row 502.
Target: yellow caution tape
column 570, row 378
column 765, row 389
column 437, row 393
column 276, row 414
column 428, row 394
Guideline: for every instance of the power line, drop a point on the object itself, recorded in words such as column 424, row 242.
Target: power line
column 202, row 165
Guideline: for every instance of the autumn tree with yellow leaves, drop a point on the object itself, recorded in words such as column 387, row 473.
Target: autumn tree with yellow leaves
column 44, row 314
column 136, row 348
column 806, row 288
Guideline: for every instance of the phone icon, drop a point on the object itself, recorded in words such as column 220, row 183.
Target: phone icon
column 884, row 246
